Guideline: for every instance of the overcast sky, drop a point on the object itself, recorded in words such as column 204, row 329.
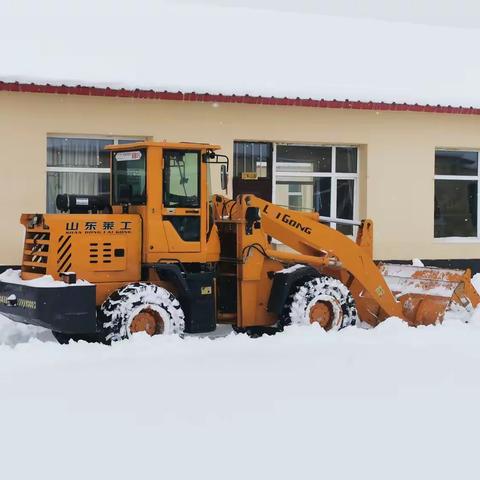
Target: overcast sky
column 459, row 13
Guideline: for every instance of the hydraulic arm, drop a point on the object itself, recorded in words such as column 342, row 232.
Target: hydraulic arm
column 335, row 254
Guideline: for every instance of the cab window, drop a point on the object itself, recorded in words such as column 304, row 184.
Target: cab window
column 181, row 180
column 129, row 177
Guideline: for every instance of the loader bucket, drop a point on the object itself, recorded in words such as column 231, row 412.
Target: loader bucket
column 427, row 293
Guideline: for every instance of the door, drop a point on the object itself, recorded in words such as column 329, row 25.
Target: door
column 252, row 169
column 181, row 200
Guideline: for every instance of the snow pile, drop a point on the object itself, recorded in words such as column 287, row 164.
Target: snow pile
column 401, row 278
column 12, row 333
column 392, row 402
column 291, row 269
column 45, row 281
column 476, row 282
column 206, row 48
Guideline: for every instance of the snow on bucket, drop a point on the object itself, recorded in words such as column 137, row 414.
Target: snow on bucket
column 426, row 293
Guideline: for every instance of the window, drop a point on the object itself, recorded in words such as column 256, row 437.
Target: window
column 78, row 166
column 319, row 178
column 129, row 177
column 252, row 157
column 456, row 194
column 294, row 196
column 181, row 179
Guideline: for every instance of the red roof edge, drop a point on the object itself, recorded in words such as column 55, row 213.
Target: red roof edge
column 219, row 98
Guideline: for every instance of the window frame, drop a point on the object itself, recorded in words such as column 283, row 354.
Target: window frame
column 113, row 138
column 113, row 192
column 458, row 177
column 199, row 173
column 334, row 175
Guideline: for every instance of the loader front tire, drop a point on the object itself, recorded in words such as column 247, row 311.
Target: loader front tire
column 140, row 307
column 323, row 300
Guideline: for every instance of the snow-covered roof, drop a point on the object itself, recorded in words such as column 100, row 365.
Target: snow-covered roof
column 220, row 98
column 165, row 47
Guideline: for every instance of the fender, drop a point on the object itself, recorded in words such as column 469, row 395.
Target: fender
column 196, row 294
column 171, row 272
column 284, row 282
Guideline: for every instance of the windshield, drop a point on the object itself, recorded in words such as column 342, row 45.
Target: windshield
column 180, row 181
column 129, row 175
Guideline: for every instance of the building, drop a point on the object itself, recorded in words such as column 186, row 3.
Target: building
column 413, row 169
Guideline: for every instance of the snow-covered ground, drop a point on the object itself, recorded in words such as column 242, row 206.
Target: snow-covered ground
column 392, row 402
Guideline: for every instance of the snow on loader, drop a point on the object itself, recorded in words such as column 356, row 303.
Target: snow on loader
column 161, row 256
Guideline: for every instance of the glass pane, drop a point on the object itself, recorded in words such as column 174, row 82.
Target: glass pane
column 78, row 152
column 455, row 208
column 262, row 157
column 129, row 177
column 345, row 196
column 345, row 201
column 295, row 193
column 295, row 158
column 75, row 183
column 345, row 229
column 295, row 202
column 181, row 178
column 252, row 157
column 322, row 196
column 122, row 141
column 456, row 163
column 304, row 193
column 346, row 161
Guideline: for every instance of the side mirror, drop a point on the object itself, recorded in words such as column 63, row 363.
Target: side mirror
column 223, row 177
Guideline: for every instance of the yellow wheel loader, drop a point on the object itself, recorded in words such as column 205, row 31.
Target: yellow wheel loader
column 163, row 256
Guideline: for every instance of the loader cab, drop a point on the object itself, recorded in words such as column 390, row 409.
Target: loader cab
column 166, row 184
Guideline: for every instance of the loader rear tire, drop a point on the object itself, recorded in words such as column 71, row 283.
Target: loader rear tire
column 323, row 300
column 140, row 307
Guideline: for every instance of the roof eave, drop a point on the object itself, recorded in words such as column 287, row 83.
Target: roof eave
column 243, row 99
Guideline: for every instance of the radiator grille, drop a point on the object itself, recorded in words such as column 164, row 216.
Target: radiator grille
column 36, row 250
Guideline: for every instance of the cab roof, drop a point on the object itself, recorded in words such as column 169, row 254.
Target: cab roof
column 169, row 145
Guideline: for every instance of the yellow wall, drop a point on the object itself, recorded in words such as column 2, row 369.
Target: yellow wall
column 397, row 154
